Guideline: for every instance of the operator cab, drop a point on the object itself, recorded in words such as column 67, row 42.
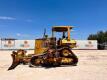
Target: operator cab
column 65, row 39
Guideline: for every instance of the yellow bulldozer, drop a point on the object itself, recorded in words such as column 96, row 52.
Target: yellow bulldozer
column 49, row 51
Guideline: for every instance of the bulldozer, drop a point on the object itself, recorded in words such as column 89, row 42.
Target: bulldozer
column 49, row 51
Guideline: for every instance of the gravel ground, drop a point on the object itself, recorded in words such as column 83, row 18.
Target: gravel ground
column 92, row 65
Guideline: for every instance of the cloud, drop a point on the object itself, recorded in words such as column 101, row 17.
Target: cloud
column 13, row 18
column 6, row 18
column 18, row 34
column 23, row 35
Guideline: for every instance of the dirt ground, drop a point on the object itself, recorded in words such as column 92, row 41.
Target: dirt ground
column 92, row 65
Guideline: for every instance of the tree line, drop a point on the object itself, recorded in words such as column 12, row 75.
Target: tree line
column 101, row 37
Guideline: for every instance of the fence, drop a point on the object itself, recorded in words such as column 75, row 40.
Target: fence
column 86, row 44
column 17, row 44
column 30, row 44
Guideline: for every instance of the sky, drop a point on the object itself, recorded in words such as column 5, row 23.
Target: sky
column 26, row 19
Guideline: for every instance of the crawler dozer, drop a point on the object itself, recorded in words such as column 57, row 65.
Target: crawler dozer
column 49, row 51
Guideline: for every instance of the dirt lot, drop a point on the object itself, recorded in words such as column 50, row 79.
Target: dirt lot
column 92, row 66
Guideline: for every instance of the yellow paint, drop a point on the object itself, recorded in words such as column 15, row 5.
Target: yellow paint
column 66, row 60
column 39, row 46
column 71, row 42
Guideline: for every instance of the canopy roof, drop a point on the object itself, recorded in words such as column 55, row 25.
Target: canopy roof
column 61, row 28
